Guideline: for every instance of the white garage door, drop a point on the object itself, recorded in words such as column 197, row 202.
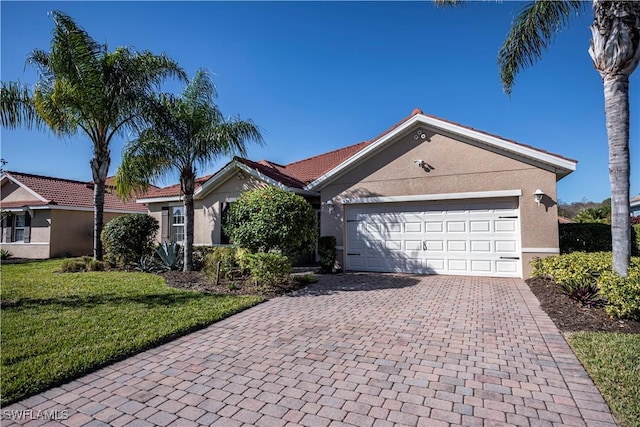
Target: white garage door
column 480, row 237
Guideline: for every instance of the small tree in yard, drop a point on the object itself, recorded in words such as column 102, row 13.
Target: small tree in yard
column 270, row 218
column 128, row 238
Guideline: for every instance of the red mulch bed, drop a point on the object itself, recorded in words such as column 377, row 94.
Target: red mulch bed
column 570, row 316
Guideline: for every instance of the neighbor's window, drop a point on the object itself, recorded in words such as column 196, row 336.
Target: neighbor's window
column 20, row 225
column 177, row 224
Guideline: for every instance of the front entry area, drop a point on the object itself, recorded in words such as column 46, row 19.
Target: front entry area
column 479, row 237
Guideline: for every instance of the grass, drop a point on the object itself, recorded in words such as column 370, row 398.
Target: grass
column 58, row 326
column 613, row 362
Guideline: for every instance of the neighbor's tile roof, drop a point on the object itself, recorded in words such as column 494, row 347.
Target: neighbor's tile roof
column 302, row 172
column 67, row 192
column 172, row 190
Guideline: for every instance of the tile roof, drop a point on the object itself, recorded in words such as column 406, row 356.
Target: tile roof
column 172, row 190
column 302, row 172
column 67, row 192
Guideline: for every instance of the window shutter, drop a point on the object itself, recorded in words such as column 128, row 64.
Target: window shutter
column 27, row 227
column 8, row 221
column 164, row 227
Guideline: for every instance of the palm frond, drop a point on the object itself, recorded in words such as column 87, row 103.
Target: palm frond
column 16, row 107
column 531, row 34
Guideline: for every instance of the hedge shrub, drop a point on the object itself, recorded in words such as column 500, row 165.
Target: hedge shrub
column 270, row 218
column 584, row 237
column 622, row 294
column 327, row 252
column 128, row 238
column 220, row 263
column 269, row 268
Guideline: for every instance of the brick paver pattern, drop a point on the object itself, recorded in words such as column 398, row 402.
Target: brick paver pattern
column 353, row 349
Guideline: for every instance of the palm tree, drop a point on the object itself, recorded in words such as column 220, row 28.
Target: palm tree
column 85, row 87
column 615, row 50
column 185, row 132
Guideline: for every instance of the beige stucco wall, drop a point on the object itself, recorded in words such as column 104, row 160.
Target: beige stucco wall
column 12, row 192
column 455, row 167
column 72, row 231
column 38, row 246
column 207, row 211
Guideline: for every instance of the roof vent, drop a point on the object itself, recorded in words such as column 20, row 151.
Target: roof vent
column 416, row 111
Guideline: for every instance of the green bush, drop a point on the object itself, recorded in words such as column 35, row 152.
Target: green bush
column 270, row 268
column 221, row 263
column 82, row 264
column 635, row 239
column 327, row 252
column 622, row 294
column 573, row 266
column 128, row 238
column 585, row 237
column 199, row 256
column 270, row 218
column 579, row 268
column 241, row 260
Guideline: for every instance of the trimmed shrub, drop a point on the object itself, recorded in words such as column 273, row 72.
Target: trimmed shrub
column 220, row 263
column 584, row 237
column 305, row 279
column 199, row 256
column 327, row 252
column 128, row 238
column 82, row 264
column 573, row 266
column 269, row 269
column 622, row 294
column 270, row 218
column 635, row 239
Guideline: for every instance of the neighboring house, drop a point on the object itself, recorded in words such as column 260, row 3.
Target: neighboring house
column 44, row 217
column 425, row 196
column 634, row 205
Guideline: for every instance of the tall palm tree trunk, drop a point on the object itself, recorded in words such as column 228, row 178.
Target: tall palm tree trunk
column 99, row 168
column 188, row 237
column 616, row 105
column 615, row 50
column 187, row 186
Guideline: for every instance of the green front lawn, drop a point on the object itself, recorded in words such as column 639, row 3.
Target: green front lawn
column 57, row 326
column 613, row 362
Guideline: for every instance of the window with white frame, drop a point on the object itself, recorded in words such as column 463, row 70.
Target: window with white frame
column 19, row 227
column 177, row 224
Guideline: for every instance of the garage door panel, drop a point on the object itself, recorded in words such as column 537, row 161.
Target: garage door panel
column 481, row 266
column 478, row 237
column 457, row 265
column 482, row 246
column 483, row 226
column 457, row 245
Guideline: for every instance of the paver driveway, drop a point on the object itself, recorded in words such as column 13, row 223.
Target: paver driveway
column 356, row 349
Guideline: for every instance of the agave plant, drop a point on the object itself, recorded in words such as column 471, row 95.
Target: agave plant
column 169, row 254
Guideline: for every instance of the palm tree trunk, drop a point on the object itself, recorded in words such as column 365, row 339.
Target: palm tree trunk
column 615, row 50
column 616, row 104
column 187, row 186
column 99, row 168
column 188, row 237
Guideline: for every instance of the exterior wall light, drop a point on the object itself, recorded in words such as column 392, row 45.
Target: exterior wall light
column 539, row 194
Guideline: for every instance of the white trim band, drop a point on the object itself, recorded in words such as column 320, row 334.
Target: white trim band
column 434, row 197
column 541, row 250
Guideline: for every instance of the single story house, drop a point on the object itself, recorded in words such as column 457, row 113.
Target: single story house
column 45, row 217
column 425, row 196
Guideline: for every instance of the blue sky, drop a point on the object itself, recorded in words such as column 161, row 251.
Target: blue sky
column 316, row 76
